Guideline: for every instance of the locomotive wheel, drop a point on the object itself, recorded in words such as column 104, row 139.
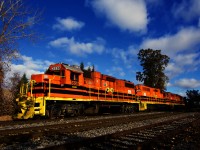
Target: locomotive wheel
column 54, row 112
column 75, row 113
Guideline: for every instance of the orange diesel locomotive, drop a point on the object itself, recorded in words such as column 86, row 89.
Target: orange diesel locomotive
column 67, row 90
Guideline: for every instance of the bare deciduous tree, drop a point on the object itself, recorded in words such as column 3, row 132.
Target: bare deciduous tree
column 10, row 94
column 16, row 23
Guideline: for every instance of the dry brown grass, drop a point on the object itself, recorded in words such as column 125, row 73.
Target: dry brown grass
column 5, row 118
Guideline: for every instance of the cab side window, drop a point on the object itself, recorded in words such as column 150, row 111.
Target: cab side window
column 63, row 73
column 74, row 76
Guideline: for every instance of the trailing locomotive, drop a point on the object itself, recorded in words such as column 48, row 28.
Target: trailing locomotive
column 67, row 90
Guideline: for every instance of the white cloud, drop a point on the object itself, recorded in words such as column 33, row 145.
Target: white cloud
column 29, row 66
column 79, row 48
column 128, row 15
column 188, row 83
column 188, row 59
column 68, row 24
column 173, row 70
column 186, row 40
column 71, row 61
column 187, row 9
column 120, row 54
column 183, row 63
column 169, row 84
column 116, row 71
column 128, row 56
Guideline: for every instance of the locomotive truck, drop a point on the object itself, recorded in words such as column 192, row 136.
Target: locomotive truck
column 68, row 90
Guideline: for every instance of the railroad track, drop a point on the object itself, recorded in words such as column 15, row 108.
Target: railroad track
column 100, row 132
column 76, row 124
column 147, row 136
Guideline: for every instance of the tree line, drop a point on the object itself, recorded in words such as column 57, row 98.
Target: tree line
column 192, row 99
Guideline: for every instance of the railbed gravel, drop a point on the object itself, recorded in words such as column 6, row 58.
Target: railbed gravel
column 129, row 126
column 46, row 141
column 65, row 121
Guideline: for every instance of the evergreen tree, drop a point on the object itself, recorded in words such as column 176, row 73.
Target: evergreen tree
column 24, row 79
column 82, row 66
column 89, row 69
column 93, row 69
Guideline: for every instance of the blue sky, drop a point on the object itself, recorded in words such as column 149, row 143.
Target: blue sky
column 110, row 33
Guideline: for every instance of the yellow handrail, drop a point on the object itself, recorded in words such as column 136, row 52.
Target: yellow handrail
column 26, row 88
column 105, row 94
column 49, row 94
column 31, row 83
column 49, row 88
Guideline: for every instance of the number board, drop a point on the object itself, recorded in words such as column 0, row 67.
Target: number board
column 55, row 68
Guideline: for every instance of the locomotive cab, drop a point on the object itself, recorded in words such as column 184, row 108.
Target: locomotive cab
column 55, row 69
column 67, row 74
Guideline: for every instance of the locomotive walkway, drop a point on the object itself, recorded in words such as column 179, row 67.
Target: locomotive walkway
column 118, row 132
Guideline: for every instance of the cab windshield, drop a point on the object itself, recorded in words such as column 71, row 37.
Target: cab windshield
column 50, row 72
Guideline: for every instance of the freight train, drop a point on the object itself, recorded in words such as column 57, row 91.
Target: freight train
column 69, row 90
